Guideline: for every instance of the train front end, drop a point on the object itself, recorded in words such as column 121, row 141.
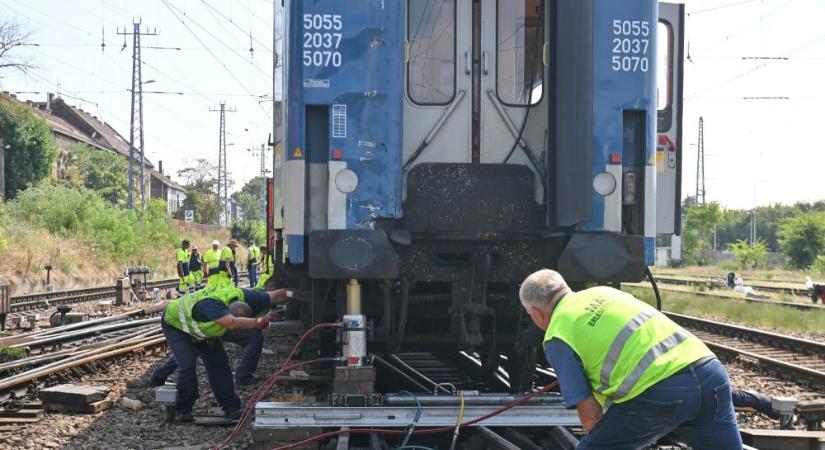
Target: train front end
column 438, row 151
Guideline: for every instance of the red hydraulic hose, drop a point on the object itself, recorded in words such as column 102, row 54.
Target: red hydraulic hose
column 249, row 409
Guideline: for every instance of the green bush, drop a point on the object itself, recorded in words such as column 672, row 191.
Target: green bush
column 11, row 354
column 121, row 234
column 749, row 256
column 802, row 238
column 818, row 267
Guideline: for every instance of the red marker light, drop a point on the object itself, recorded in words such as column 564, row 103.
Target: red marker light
column 337, row 154
column 615, row 158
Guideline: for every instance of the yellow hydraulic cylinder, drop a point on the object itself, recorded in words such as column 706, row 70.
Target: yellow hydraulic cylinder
column 353, row 297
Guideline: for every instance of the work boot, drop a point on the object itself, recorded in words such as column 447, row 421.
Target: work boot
column 185, row 417
column 233, row 414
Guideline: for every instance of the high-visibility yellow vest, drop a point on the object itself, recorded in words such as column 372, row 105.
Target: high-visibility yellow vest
column 211, row 258
column 625, row 345
column 183, row 258
column 178, row 312
column 254, row 253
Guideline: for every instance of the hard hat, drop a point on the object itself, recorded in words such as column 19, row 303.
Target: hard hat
column 216, row 242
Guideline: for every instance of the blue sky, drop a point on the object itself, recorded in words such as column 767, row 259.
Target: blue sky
column 747, row 140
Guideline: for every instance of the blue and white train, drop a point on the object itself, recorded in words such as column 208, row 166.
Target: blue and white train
column 438, row 151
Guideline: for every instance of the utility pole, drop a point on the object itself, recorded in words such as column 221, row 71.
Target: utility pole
column 700, row 164
column 2, row 170
column 223, row 185
column 136, row 123
column 263, row 182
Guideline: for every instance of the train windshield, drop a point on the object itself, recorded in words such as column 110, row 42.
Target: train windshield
column 520, row 37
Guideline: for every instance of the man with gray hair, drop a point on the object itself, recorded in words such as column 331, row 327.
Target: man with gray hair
column 632, row 374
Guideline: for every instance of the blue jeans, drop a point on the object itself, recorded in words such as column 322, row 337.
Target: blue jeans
column 251, row 341
column 215, row 361
column 696, row 406
column 253, row 275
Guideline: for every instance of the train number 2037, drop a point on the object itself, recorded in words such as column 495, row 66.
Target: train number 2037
column 322, row 39
column 631, row 45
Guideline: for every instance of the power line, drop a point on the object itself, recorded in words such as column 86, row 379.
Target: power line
column 173, row 10
column 231, row 74
column 237, row 26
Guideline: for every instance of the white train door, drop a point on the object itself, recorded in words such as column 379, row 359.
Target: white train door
column 670, row 70
column 512, row 56
column 437, row 107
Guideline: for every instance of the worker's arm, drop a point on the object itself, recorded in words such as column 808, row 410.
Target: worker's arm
column 180, row 269
column 590, row 412
column 231, row 322
column 575, row 387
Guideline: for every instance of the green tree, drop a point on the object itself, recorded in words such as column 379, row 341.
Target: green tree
column 249, row 231
column 201, row 182
column 99, row 171
column 30, row 147
column 750, row 256
column 697, row 236
column 248, row 198
column 802, row 238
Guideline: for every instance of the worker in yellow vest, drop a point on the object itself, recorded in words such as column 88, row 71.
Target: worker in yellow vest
column 632, row 374
column 194, row 326
column 185, row 277
column 253, row 256
column 196, row 268
column 267, row 268
column 211, row 259
column 223, row 272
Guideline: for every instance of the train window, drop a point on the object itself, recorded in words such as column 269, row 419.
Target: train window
column 664, row 62
column 520, row 66
column 431, row 34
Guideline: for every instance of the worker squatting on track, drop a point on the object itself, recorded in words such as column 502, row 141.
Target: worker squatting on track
column 196, row 324
column 632, row 374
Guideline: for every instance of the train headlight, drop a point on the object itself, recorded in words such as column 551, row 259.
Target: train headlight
column 604, row 184
column 346, row 181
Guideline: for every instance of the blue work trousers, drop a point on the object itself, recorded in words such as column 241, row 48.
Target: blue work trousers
column 253, row 275
column 185, row 353
column 696, row 406
column 251, row 341
column 235, row 275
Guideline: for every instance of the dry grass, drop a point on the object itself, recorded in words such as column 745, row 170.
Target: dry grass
column 772, row 317
column 75, row 263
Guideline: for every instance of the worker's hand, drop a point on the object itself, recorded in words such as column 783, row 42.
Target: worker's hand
column 262, row 323
column 279, row 296
column 590, row 413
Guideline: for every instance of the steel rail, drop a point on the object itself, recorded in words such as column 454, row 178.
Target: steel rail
column 793, row 347
column 800, row 292
column 795, row 305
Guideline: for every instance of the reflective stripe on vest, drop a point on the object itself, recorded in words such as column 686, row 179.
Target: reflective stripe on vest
column 178, row 312
column 625, row 345
column 618, row 345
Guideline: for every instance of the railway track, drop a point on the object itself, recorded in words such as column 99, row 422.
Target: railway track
column 718, row 282
column 802, row 361
column 26, row 302
column 745, row 298
column 57, row 349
